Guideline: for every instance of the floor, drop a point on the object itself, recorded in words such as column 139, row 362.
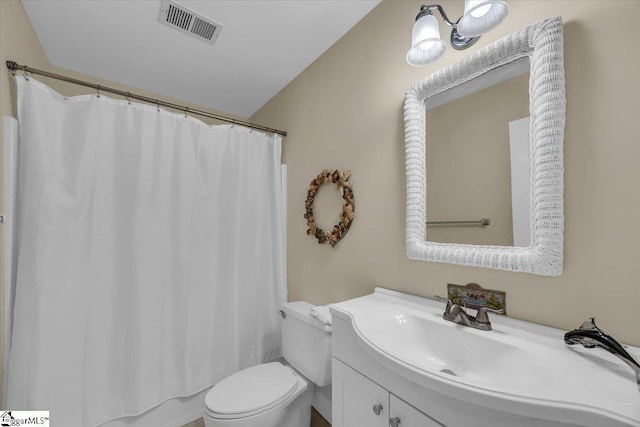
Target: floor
column 197, row 423
column 316, row 421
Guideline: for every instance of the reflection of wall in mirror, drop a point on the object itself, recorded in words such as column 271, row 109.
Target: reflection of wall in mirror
column 468, row 163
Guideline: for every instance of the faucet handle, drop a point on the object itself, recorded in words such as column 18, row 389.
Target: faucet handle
column 483, row 317
column 447, row 300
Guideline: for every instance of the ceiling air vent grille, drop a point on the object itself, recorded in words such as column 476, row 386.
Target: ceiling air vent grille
column 203, row 28
column 187, row 21
column 179, row 18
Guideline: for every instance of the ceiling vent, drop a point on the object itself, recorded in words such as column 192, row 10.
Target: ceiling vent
column 189, row 22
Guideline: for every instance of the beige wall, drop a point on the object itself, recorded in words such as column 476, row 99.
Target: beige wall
column 19, row 43
column 345, row 111
column 469, row 167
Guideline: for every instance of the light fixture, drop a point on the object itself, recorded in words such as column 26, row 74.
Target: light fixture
column 479, row 17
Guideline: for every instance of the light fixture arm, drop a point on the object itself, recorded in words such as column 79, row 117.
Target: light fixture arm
column 457, row 41
column 427, row 9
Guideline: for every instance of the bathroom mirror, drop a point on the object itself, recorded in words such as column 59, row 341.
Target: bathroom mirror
column 542, row 45
column 476, row 171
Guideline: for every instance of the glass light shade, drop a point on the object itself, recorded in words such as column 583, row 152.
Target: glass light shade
column 426, row 44
column 481, row 16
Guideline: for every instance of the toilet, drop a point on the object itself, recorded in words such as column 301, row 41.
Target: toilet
column 277, row 394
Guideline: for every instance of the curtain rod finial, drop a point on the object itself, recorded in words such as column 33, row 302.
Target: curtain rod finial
column 12, row 65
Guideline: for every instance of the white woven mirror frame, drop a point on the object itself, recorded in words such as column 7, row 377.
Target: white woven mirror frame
column 542, row 43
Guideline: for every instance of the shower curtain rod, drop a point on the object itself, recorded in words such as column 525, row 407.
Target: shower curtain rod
column 14, row 66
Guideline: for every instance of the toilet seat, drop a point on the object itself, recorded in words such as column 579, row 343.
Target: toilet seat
column 252, row 391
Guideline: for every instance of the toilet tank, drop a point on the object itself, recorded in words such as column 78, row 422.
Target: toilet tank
column 306, row 342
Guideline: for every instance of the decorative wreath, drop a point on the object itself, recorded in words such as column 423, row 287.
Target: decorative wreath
column 341, row 180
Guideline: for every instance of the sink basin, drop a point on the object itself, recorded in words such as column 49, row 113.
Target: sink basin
column 520, row 365
column 428, row 343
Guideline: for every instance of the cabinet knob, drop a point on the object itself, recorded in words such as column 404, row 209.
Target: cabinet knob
column 377, row 409
column 394, row 422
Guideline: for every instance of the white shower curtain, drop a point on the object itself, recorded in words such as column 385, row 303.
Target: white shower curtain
column 149, row 252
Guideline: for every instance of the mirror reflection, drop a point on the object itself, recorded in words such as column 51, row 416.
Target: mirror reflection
column 477, row 160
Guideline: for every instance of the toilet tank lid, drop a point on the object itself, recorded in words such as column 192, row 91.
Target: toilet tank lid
column 252, row 389
column 301, row 310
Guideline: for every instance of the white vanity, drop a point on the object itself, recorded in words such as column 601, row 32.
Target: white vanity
column 396, row 362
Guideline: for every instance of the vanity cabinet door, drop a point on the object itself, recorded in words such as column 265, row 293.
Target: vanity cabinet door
column 357, row 401
column 404, row 415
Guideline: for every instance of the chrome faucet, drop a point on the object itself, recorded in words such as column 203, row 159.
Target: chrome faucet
column 457, row 314
column 590, row 336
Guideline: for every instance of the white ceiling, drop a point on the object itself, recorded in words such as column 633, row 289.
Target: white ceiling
column 263, row 46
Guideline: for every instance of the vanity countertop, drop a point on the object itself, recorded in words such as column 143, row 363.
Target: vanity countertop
column 518, row 364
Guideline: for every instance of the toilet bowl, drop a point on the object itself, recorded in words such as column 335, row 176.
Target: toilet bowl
column 275, row 394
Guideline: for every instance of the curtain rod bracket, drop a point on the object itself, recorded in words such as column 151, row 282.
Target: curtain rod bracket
column 12, row 65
